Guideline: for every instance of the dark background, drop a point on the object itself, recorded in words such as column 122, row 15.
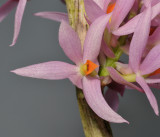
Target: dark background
column 43, row 108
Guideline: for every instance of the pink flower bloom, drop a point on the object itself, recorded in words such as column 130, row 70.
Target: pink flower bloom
column 58, row 16
column 95, row 9
column 119, row 10
column 7, row 7
column 143, row 69
column 83, row 74
column 130, row 26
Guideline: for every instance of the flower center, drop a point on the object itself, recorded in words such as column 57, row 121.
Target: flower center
column 110, row 7
column 155, row 72
column 88, row 68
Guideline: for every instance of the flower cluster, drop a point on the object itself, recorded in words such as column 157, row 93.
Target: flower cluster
column 116, row 27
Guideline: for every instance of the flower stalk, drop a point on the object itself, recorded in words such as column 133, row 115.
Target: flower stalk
column 93, row 125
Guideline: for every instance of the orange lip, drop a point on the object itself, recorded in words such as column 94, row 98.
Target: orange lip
column 110, row 7
column 90, row 67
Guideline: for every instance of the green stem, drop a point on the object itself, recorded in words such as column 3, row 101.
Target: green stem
column 110, row 62
column 93, row 125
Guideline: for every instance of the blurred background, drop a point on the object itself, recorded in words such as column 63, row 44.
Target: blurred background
column 42, row 108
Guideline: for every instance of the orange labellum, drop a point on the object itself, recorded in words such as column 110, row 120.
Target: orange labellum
column 111, row 7
column 155, row 72
column 90, row 67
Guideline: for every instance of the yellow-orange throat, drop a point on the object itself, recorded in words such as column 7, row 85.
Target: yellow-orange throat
column 88, row 67
column 110, row 7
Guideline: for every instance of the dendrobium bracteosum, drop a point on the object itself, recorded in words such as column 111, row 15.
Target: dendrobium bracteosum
column 142, row 71
column 84, row 74
column 6, row 9
column 118, row 8
column 130, row 26
column 96, row 8
column 105, row 18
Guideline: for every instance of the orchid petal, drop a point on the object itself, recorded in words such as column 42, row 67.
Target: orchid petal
column 151, row 62
column 119, row 88
column 154, row 38
column 149, row 94
column 88, row 21
column 55, row 16
column 106, row 4
column 70, row 43
column 152, row 81
column 156, row 21
column 135, row 6
column 18, row 19
column 155, row 10
column 76, row 80
column 120, row 11
column 147, row 3
column 102, row 3
column 6, row 8
column 92, row 43
column 49, row 70
column 93, row 95
column 154, row 2
column 112, row 99
column 93, row 11
column 117, row 78
column 130, row 26
column 139, row 40
column 108, row 52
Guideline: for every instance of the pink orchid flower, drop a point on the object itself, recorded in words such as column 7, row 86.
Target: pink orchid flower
column 153, row 40
column 130, row 26
column 119, row 10
column 142, row 70
column 95, row 9
column 156, row 20
column 6, row 9
column 58, row 16
column 83, row 74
